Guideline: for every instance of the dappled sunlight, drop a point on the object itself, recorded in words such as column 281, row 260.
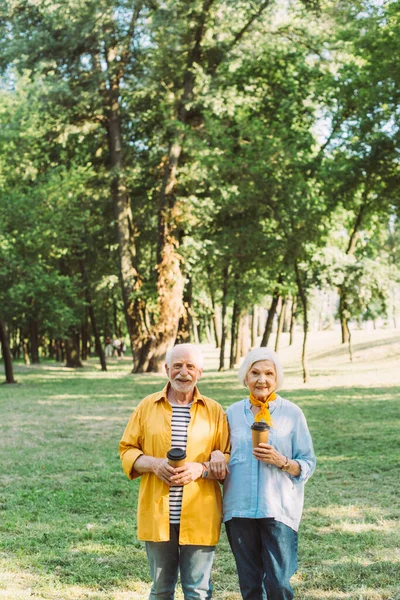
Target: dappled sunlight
column 15, row 584
column 382, row 527
column 361, row 593
column 335, row 511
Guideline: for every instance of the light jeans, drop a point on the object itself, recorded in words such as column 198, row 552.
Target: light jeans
column 193, row 562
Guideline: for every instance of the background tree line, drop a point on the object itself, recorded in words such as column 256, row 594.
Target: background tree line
column 183, row 170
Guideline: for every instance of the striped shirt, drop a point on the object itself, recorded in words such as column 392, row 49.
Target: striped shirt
column 179, row 426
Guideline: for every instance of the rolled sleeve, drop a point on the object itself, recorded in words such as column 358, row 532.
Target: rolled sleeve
column 223, row 437
column 130, row 447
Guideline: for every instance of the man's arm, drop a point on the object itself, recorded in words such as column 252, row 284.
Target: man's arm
column 158, row 466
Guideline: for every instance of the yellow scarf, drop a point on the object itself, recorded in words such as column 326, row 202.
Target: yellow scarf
column 264, row 412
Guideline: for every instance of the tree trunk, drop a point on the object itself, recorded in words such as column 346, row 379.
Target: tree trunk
column 270, row 319
column 293, row 321
column 34, row 341
column 254, row 325
column 72, row 350
column 185, row 326
column 244, row 341
column 25, row 349
column 281, row 321
column 223, row 318
column 344, row 326
column 5, row 350
column 216, row 321
column 303, row 298
column 351, row 248
column 85, row 337
column 97, row 340
column 262, row 319
column 234, row 334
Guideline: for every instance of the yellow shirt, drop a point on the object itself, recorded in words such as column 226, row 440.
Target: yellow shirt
column 149, row 432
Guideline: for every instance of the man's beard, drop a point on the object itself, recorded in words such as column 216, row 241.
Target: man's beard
column 183, row 386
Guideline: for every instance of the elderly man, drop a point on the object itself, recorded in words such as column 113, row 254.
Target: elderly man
column 179, row 509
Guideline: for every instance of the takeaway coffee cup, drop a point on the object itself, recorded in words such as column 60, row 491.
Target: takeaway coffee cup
column 176, row 457
column 259, row 433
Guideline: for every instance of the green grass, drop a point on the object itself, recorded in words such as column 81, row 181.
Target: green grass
column 67, row 512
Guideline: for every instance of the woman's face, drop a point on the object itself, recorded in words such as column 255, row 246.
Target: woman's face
column 261, row 379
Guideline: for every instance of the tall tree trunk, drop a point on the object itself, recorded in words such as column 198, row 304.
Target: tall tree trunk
column 281, row 321
column 244, row 340
column 270, row 319
column 34, row 341
column 170, row 279
column 234, row 334
column 223, row 318
column 216, row 321
column 5, row 350
column 25, row 350
column 254, row 325
column 85, row 337
column 97, row 340
column 262, row 319
column 72, row 350
column 293, row 321
column 208, row 329
column 185, row 327
column 351, row 248
column 110, row 79
column 303, row 298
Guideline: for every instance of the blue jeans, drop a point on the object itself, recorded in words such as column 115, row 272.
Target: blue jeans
column 194, row 563
column 265, row 552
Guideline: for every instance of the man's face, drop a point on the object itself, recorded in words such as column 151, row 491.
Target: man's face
column 183, row 372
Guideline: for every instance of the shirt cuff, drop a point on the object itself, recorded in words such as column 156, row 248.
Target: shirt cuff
column 128, row 460
column 305, row 471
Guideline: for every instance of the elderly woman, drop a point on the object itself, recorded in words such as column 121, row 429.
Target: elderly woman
column 264, row 492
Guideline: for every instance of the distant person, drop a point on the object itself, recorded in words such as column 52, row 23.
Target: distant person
column 264, row 491
column 116, row 345
column 109, row 347
column 122, row 348
column 180, row 508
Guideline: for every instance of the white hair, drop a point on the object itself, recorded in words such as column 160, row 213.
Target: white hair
column 261, row 354
column 193, row 348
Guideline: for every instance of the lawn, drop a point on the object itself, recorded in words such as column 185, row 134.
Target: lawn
column 67, row 512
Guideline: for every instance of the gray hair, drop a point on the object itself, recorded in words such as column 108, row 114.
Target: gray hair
column 261, row 354
column 193, row 348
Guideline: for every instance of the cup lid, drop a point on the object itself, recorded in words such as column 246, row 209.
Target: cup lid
column 260, row 426
column 176, row 454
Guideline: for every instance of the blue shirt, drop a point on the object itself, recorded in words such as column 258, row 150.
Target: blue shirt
column 256, row 490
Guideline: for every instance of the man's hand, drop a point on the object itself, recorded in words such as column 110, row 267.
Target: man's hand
column 187, row 473
column 267, row 453
column 218, row 466
column 163, row 470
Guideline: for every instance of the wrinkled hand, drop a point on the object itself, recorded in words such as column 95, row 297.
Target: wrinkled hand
column 163, row 470
column 217, row 465
column 267, row 453
column 187, row 473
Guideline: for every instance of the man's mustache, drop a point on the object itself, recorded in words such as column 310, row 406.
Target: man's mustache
column 183, row 379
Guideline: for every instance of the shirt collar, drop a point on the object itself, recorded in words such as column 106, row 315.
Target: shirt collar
column 197, row 397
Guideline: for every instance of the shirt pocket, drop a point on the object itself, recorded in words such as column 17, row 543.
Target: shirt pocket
column 281, row 440
column 241, row 445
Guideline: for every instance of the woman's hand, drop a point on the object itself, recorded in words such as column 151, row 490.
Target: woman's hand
column 217, row 465
column 267, row 453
